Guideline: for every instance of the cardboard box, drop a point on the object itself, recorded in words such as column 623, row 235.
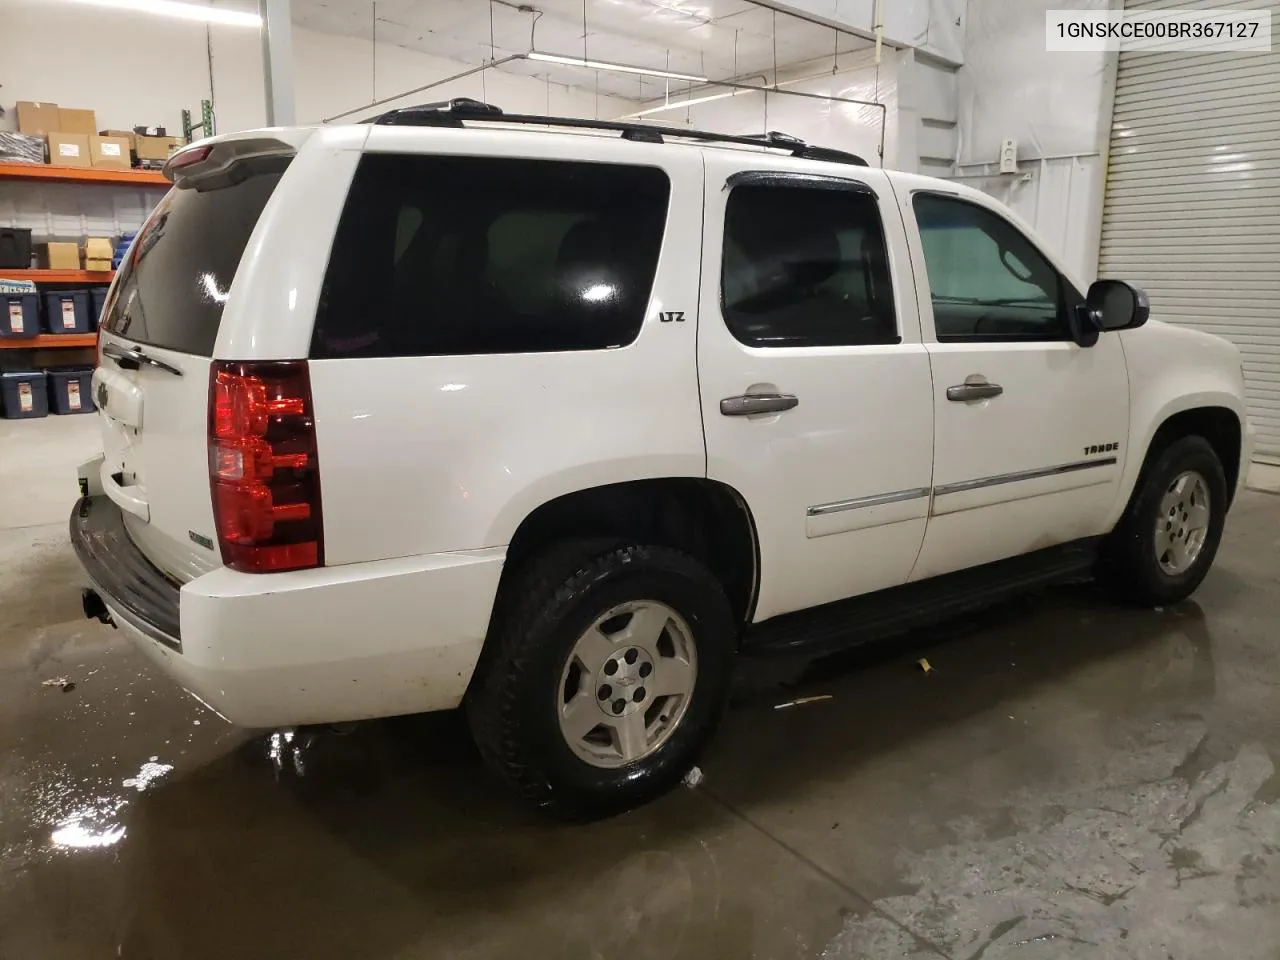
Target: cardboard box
column 97, row 253
column 58, row 256
column 98, row 250
column 77, row 121
column 68, row 149
column 36, row 118
column 110, row 152
column 127, row 134
column 155, row 148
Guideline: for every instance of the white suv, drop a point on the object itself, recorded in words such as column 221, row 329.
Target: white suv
column 456, row 408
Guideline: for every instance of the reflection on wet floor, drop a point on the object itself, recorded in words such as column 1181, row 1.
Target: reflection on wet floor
column 1070, row 779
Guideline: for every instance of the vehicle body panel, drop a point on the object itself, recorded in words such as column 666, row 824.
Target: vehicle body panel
column 995, row 492
column 834, row 450
column 426, row 454
column 1172, row 369
column 271, row 305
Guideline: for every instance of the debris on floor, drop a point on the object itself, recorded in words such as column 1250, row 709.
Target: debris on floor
column 924, row 665
column 150, row 772
column 693, row 777
column 802, row 701
column 66, row 685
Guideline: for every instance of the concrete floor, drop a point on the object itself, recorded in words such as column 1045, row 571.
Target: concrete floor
column 1071, row 780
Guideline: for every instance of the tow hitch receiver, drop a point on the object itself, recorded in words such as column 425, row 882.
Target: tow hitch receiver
column 94, row 608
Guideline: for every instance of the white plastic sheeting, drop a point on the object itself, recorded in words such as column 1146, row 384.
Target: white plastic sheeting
column 1052, row 105
column 935, row 26
column 1059, row 198
column 1010, row 88
column 69, row 211
column 829, row 123
column 926, row 118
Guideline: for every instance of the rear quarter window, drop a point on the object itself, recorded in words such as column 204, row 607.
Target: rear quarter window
column 442, row 255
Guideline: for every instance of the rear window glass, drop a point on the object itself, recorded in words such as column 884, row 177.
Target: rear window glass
column 174, row 281
column 439, row 255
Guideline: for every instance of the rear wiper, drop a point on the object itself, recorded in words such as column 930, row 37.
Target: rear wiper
column 132, row 358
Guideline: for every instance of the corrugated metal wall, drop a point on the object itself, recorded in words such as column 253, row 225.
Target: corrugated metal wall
column 1192, row 207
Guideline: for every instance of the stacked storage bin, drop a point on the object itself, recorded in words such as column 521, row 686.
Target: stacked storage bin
column 71, row 390
column 126, row 241
column 66, row 311
column 24, row 394
column 15, row 247
column 19, row 314
column 99, row 301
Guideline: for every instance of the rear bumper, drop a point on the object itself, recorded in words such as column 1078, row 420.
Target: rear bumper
column 138, row 593
column 327, row 645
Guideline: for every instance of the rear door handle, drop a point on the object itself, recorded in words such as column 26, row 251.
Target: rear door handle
column 131, row 359
column 974, row 391
column 749, row 404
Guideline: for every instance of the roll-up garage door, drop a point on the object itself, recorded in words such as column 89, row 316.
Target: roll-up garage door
column 1192, row 208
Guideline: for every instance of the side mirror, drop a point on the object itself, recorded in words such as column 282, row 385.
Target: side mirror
column 1116, row 305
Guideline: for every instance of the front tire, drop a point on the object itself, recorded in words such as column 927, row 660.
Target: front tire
column 1169, row 535
column 607, row 672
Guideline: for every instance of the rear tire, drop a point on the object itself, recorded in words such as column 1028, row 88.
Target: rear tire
column 1169, row 535
column 606, row 672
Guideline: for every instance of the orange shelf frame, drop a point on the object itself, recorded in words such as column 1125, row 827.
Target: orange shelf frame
column 50, row 340
column 58, row 276
column 43, row 171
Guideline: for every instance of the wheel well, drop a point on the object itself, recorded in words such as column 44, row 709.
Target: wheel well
column 707, row 520
column 1218, row 425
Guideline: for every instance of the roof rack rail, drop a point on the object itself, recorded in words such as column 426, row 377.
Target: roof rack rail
column 452, row 113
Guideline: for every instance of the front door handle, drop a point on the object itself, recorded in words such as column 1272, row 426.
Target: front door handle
column 749, row 404
column 962, row 392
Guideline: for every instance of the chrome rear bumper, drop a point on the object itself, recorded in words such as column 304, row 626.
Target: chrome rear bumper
column 126, row 581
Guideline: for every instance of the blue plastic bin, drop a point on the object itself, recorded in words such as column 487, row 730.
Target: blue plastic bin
column 122, row 248
column 99, row 295
column 66, row 311
column 71, row 390
column 25, row 395
column 19, row 314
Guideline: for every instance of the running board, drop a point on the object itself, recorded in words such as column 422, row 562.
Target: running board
column 875, row 616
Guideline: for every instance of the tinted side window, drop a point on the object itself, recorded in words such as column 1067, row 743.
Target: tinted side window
column 987, row 281
column 175, row 279
column 440, row 255
column 805, row 267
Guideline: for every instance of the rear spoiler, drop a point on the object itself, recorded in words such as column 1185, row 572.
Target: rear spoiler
column 211, row 159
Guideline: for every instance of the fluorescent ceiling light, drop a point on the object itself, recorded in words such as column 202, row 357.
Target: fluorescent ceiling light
column 679, row 104
column 184, row 11
column 614, row 67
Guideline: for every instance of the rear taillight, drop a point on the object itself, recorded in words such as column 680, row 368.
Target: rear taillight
column 262, row 466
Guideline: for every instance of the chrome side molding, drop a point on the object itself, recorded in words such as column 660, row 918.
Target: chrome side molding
column 858, row 503
column 943, row 489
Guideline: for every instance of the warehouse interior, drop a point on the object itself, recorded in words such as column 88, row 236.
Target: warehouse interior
column 1057, row 776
